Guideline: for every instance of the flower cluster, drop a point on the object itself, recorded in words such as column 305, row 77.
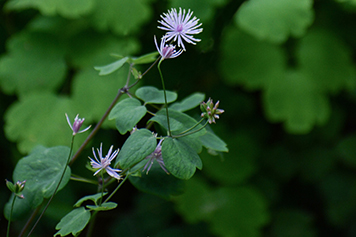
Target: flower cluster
column 104, row 162
column 210, row 111
column 180, row 27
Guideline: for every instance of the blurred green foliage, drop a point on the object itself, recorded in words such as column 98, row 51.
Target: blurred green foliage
column 283, row 70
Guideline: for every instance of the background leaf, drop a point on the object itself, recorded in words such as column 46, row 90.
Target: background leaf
column 27, row 51
column 63, row 7
column 275, row 20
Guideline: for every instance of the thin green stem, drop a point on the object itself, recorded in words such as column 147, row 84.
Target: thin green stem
column 189, row 129
column 54, row 193
column 116, row 189
column 29, row 221
column 189, row 133
column 91, row 224
column 102, row 188
column 151, row 66
column 12, row 208
column 78, row 178
column 165, row 98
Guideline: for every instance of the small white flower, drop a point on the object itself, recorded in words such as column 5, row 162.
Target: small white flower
column 180, row 27
column 77, row 124
column 167, row 51
column 104, row 162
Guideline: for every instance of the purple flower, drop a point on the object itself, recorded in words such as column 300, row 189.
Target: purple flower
column 77, row 124
column 180, row 27
column 104, row 162
column 156, row 155
column 167, row 51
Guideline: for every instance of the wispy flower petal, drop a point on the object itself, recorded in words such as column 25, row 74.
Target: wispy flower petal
column 180, row 26
column 104, row 162
column 156, row 155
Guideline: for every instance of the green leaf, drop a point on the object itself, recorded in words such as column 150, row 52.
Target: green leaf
column 327, row 60
column 211, row 141
column 112, row 67
column 94, row 198
column 42, row 170
column 151, row 95
column 180, row 159
column 123, row 17
column 74, row 222
column 103, row 207
column 188, row 103
column 193, row 142
column 147, row 58
column 34, row 63
column 250, row 62
column 65, row 8
column 140, row 144
column 296, row 101
column 127, row 114
column 275, row 20
column 157, row 182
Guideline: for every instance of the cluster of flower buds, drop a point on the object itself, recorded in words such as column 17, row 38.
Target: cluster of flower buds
column 210, row 111
column 16, row 188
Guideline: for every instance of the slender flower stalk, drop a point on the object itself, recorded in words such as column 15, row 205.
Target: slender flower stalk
column 55, row 191
column 165, row 98
column 191, row 132
column 180, row 26
column 9, row 223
